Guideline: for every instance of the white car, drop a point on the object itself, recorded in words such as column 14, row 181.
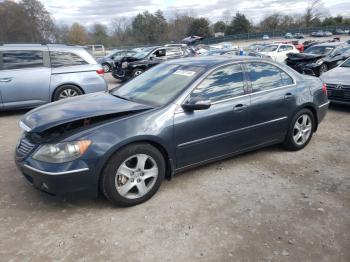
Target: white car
column 278, row 52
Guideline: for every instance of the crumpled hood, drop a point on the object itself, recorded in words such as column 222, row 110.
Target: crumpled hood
column 82, row 107
column 338, row 75
column 303, row 57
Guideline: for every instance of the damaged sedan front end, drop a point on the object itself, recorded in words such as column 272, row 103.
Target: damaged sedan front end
column 62, row 145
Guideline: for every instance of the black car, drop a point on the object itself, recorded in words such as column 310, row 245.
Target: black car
column 319, row 58
column 132, row 66
column 178, row 115
column 108, row 61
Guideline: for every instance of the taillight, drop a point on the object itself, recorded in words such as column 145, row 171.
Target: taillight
column 100, row 71
column 324, row 89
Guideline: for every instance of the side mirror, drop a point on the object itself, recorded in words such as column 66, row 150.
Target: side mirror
column 193, row 105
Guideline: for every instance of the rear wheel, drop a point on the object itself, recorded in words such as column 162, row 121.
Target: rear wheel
column 133, row 175
column 66, row 91
column 300, row 131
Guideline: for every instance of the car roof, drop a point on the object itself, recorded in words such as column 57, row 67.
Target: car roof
column 211, row 61
column 329, row 44
column 41, row 47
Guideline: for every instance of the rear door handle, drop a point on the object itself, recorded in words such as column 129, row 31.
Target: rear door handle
column 288, row 96
column 5, row 80
column 239, row 107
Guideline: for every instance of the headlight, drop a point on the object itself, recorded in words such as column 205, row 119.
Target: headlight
column 319, row 62
column 62, row 152
column 124, row 64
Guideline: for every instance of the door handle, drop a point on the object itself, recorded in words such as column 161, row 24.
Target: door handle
column 5, row 80
column 240, row 107
column 288, row 96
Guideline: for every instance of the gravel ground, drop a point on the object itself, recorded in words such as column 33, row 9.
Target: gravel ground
column 267, row 205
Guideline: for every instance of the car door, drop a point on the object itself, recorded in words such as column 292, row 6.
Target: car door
column 219, row 130
column 24, row 78
column 272, row 99
column 282, row 53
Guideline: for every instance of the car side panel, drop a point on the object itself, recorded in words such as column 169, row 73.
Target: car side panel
column 84, row 76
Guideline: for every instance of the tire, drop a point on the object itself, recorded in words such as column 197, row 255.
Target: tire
column 323, row 69
column 66, row 91
column 137, row 72
column 297, row 136
column 106, row 68
column 138, row 185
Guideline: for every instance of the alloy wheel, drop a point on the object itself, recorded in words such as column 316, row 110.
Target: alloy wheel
column 136, row 176
column 106, row 68
column 67, row 93
column 302, row 129
column 138, row 72
column 323, row 69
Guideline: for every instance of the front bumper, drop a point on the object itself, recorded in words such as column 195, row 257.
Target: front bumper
column 73, row 182
column 74, row 178
column 121, row 74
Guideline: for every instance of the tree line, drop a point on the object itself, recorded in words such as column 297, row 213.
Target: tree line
column 29, row 21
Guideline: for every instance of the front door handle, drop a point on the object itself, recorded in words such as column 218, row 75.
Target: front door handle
column 5, row 80
column 288, row 96
column 240, row 107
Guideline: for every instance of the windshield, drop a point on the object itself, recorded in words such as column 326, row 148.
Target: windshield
column 269, row 48
column 319, row 50
column 159, row 85
column 143, row 53
column 346, row 63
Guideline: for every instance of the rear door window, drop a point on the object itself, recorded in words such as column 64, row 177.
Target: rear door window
column 265, row 76
column 60, row 59
column 22, row 59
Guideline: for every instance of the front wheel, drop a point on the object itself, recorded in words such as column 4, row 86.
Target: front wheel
column 137, row 72
column 133, row 175
column 300, row 131
column 106, row 68
column 323, row 69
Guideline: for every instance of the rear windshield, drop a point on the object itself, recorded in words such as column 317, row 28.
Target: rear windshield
column 346, row 63
column 269, row 48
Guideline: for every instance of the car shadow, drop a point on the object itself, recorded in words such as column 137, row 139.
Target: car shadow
column 340, row 107
column 14, row 112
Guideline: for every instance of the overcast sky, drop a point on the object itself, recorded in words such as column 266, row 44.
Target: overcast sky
column 90, row 11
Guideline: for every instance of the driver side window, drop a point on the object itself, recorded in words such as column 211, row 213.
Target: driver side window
column 224, row 83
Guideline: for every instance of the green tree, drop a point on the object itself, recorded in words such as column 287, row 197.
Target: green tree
column 219, row 26
column 239, row 24
column 200, row 27
column 99, row 34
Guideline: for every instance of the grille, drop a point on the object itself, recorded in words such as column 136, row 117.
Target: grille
column 24, row 148
column 337, row 92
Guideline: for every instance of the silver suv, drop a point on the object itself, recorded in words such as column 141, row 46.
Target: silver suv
column 34, row 74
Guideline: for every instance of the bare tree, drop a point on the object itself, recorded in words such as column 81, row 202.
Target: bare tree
column 314, row 12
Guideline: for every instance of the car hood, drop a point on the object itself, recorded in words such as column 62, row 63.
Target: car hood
column 338, row 75
column 303, row 57
column 78, row 108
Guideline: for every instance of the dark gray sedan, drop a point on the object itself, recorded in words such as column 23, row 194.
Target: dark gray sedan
column 178, row 115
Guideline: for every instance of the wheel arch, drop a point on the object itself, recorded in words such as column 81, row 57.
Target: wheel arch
column 65, row 84
column 169, row 165
column 313, row 110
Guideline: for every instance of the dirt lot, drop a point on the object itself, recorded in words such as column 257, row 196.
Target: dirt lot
column 268, row 205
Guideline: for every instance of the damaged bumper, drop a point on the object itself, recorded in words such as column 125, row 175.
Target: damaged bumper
column 74, row 178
